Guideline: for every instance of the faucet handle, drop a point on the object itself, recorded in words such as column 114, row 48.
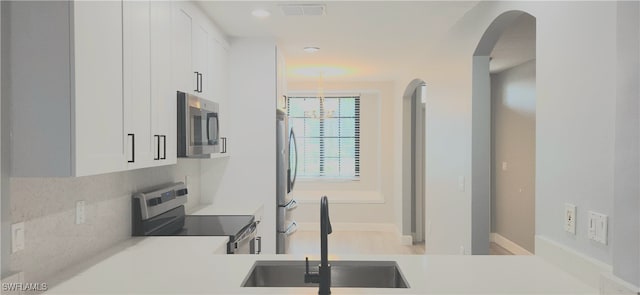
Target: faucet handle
column 308, row 276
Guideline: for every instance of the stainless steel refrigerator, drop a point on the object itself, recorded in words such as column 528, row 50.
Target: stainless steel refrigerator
column 286, row 173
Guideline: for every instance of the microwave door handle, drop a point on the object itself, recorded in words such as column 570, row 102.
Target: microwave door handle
column 208, row 131
column 218, row 132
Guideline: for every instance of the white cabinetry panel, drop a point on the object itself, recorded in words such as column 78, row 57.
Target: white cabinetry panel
column 137, row 83
column 163, row 91
column 66, row 80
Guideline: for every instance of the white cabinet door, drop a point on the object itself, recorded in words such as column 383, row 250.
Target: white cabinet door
column 137, row 83
column 163, row 93
column 200, row 52
column 97, row 82
column 183, row 74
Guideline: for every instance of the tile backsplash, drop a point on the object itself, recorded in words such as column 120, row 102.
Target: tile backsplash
column 47, row 206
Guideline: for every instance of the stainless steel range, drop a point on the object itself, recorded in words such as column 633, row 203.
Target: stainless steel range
column 161, row 213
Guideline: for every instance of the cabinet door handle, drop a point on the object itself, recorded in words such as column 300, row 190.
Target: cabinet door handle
column 133, row 148
column 197, row 81
column 164, row 148
column 157, row 155
column 200, row 82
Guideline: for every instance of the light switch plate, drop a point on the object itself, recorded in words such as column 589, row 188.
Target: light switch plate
column 504, row 166
column 597, row 230
column 570, row 218
column 17, row 237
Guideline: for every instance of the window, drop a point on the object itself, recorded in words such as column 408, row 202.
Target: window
column 328, row 135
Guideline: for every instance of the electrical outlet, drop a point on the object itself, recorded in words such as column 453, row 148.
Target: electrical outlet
column 80, row 216
column 17, row 237
column 570, row 218
column 504, row 166
column 597, row 227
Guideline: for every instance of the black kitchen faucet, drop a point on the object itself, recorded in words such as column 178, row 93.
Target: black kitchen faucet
column 323, row 276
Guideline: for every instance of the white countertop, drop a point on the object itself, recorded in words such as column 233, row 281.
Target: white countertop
column 186, row 265
column 218, row 209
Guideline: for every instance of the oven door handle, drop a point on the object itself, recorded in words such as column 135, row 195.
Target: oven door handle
column 248, row 233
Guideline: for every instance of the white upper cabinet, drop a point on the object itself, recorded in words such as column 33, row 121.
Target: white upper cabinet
column 98, row 99
column 93, row 83
column 200, row 51
column 150, row 98
column 65, row 86
column 196, row 55
column 137, row 83
column 184, row 76
column 163, row 89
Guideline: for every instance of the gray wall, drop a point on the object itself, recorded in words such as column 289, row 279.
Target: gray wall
column 47, row 206
column 513, row 99
column 5, row 240
column 626, row 209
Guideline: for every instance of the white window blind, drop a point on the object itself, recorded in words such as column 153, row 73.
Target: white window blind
column 328, row 135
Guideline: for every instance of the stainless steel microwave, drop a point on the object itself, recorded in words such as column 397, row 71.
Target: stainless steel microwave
column 198, row 126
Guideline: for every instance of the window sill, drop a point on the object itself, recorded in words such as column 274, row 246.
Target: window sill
column 339, row 197
column 321, row 179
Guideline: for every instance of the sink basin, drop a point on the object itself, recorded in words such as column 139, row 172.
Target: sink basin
column 344, row 274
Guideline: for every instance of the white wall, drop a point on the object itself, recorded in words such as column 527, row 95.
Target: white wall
column 575, row 120
column 248, row 177
column 626, row 218
column 370, row 200
column 513, row 132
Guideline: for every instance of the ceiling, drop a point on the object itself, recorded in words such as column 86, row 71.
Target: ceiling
column 358, row 40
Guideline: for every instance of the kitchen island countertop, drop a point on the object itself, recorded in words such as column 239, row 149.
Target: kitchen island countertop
column 187, row 265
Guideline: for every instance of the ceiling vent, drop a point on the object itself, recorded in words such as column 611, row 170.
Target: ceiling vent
column 303, row 9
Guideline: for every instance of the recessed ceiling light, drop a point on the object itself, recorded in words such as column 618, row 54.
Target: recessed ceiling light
column 261, row 13
column 311, row 49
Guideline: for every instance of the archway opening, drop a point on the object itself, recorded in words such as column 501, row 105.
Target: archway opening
column 503, row 137
column 414, row 163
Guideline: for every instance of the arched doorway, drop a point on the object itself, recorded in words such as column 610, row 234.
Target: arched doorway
column 484, row 187
column 413, row 180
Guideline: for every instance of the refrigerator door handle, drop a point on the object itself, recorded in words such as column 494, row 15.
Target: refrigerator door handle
column 292, row 182
column 291, row 205
column 293, row 227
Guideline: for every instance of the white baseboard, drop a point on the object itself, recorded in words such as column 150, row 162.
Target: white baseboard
column 610, row 284
column 508, row 244
column 584, row 268
column 347, row 226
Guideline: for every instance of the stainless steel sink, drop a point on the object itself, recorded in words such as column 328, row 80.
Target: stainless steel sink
column 344, row 274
